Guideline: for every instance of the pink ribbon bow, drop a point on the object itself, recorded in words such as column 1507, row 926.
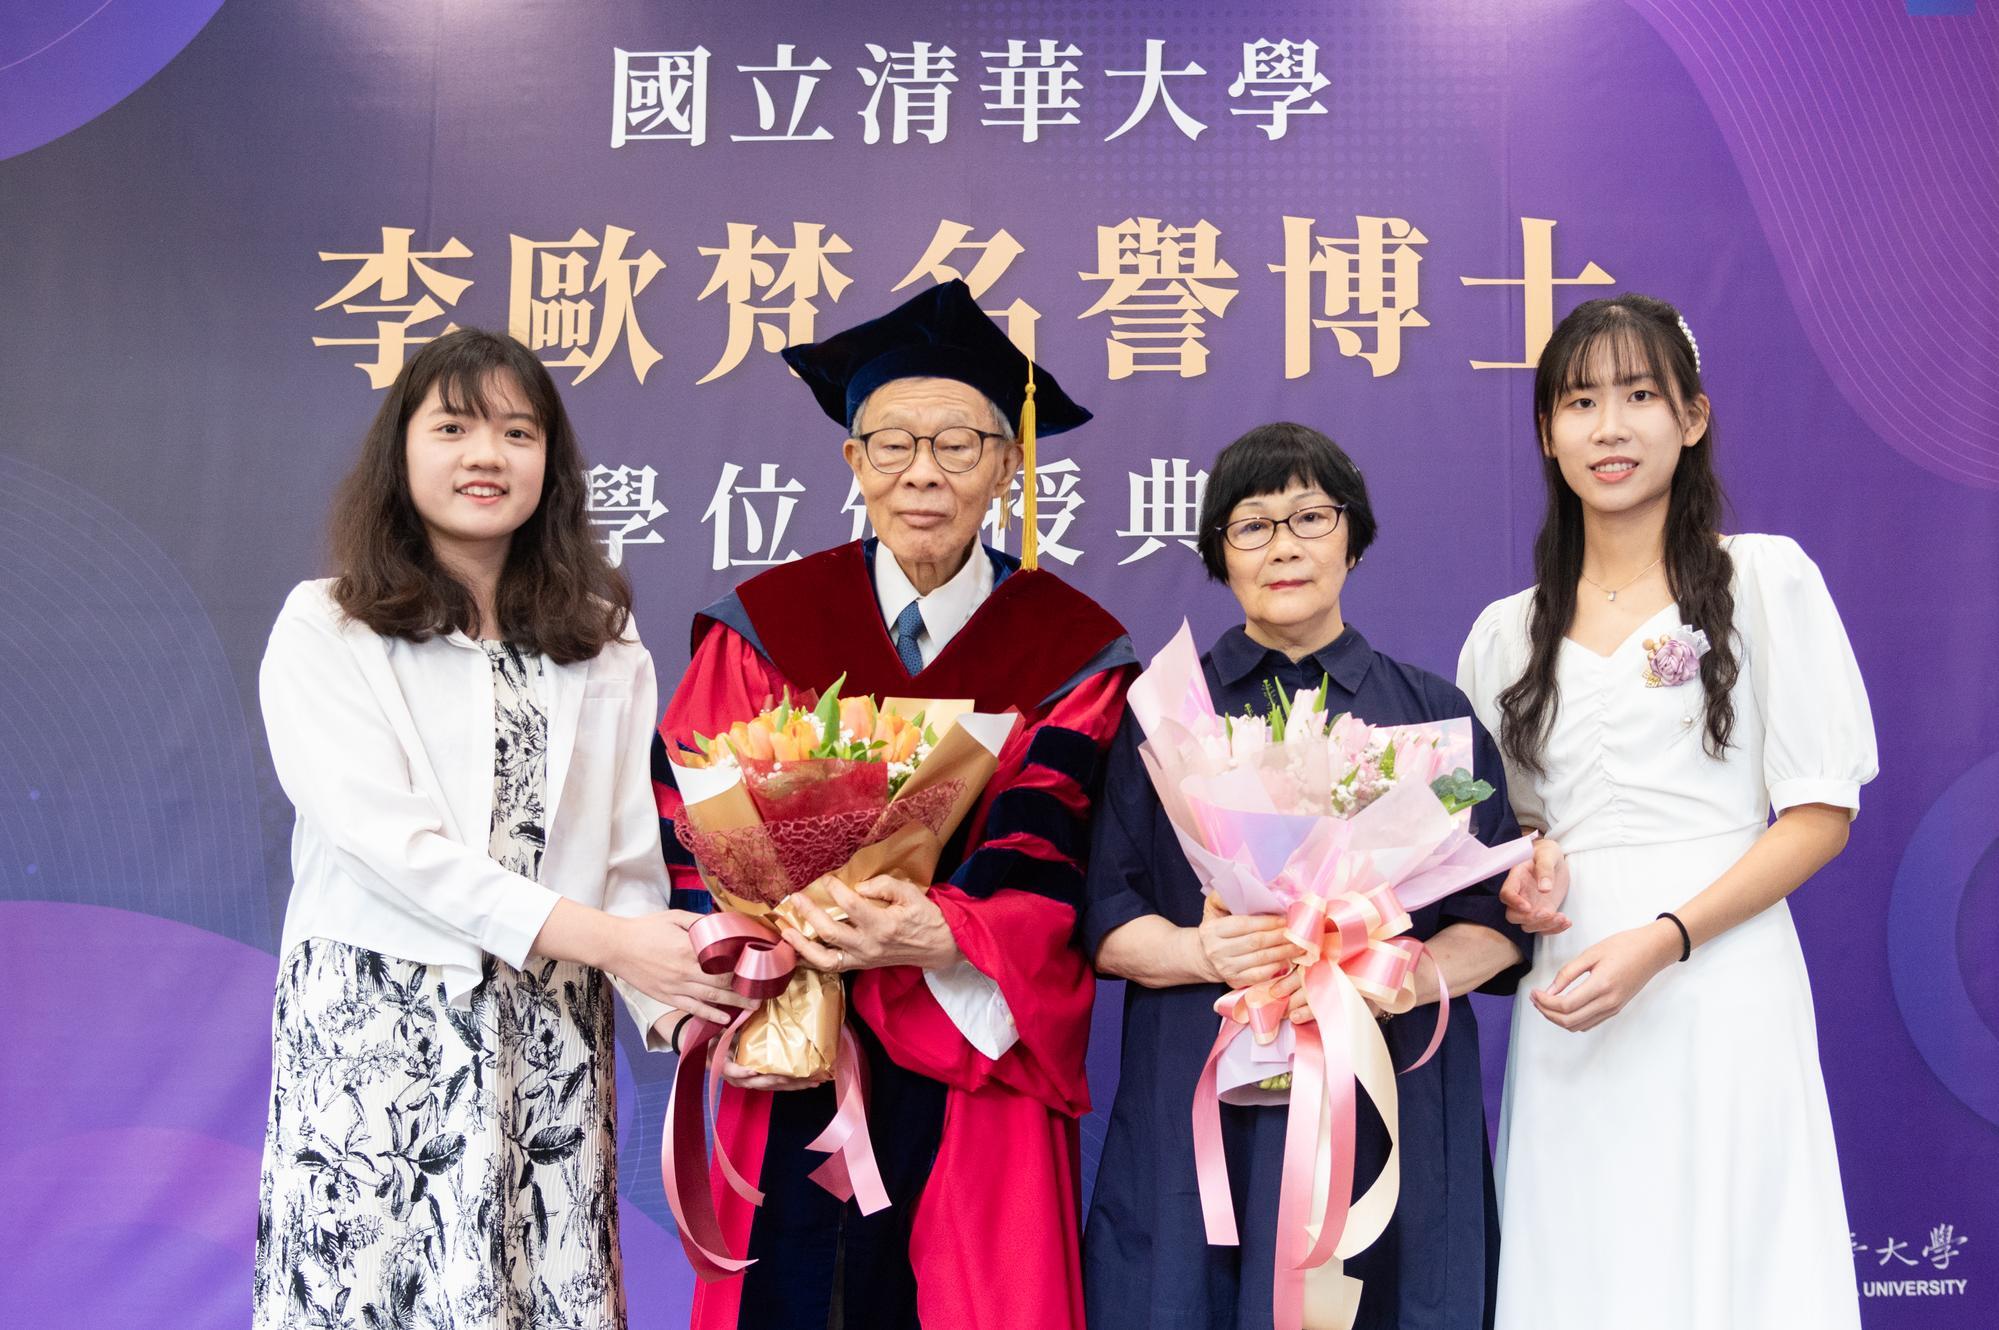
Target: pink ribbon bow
column 761, row 965
column 1352, row 950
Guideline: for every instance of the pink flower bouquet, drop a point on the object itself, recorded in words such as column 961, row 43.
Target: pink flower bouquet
column 1344, row 829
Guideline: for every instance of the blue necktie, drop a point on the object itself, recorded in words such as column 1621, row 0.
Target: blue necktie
column 907, row 625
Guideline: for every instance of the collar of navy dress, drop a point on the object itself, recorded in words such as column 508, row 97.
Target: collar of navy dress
column 1347, row 658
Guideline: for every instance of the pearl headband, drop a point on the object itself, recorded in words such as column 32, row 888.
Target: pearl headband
column 1688, row 333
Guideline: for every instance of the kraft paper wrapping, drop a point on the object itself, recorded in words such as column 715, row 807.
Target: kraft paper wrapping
column 797, row 1033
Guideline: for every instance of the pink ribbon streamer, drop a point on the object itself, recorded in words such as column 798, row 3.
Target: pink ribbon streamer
column 683, row 1155
column 850, row 1170
column 1211, row 1170
column 1353, row 934
column 761, row 964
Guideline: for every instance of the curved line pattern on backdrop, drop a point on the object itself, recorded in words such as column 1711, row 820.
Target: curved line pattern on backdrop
column 136, row 1090
column 1866, row 139
column 63, row 63
column 133, row 1144
column 1923, row 954
column 127, row 772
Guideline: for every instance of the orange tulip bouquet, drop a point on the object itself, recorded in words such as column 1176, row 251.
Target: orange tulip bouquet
column 818, row 788
column 777, row 807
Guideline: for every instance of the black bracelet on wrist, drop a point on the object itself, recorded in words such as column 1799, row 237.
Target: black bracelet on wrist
column 673, row 1040
column 1686, row 938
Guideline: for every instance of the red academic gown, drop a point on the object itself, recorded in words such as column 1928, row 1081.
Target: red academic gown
column 981, row 1156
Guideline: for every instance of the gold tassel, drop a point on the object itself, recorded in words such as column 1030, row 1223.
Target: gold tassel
column 1030, row 533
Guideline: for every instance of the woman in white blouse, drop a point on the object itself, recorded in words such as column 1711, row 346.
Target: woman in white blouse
column 461, row 718
column 1666, row 1156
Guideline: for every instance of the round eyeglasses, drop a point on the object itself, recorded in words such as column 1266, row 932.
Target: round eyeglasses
column 1314, row 523
column 957, row 449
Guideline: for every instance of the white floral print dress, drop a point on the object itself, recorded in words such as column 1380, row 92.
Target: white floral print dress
column 429, row 1167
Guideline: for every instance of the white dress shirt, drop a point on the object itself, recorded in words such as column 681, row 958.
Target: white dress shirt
column 946, row 610
column 969, row 996
column 385, row 748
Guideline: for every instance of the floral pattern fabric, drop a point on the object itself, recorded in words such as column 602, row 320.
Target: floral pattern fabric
column 520, row 761
column 429, row 1167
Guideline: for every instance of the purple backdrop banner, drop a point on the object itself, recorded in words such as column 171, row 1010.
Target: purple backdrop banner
column 224, row 226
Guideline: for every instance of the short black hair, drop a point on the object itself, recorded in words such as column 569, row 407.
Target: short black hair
column 1266, row 461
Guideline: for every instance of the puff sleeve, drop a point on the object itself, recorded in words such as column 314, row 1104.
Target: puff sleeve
column 1818, row 743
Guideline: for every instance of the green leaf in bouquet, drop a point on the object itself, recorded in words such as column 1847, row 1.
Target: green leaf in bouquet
column 1275, row 710
column 828, row 711
column 1388, row 761
column 1460, row 790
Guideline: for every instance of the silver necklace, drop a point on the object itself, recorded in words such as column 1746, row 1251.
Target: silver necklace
column 1610, row 593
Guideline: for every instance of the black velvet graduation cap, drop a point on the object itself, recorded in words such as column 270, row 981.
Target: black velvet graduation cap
column 939, row 333
column 942, row 333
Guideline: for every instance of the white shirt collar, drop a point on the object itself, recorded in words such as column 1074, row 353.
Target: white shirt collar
column 945, row 610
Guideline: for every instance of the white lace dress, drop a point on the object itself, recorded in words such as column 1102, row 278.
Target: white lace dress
column 1673, row 1168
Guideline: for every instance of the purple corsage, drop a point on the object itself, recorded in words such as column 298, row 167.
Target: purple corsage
column 1675, row 658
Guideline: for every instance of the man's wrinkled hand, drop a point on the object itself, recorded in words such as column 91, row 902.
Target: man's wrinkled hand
column 889, row 921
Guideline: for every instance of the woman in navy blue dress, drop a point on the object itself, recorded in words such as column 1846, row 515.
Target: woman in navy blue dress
column 1284, row 521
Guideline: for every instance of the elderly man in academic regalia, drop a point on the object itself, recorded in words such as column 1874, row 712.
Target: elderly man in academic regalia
column 969, row 996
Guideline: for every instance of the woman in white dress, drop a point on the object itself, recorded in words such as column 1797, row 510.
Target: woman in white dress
column 1666, row 1156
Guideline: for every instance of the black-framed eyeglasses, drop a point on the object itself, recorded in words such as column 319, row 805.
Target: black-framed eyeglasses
column 957, row 449
column 1314, row 523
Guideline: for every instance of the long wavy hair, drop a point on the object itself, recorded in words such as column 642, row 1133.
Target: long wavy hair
column 557, row 595
column 1626, row 336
